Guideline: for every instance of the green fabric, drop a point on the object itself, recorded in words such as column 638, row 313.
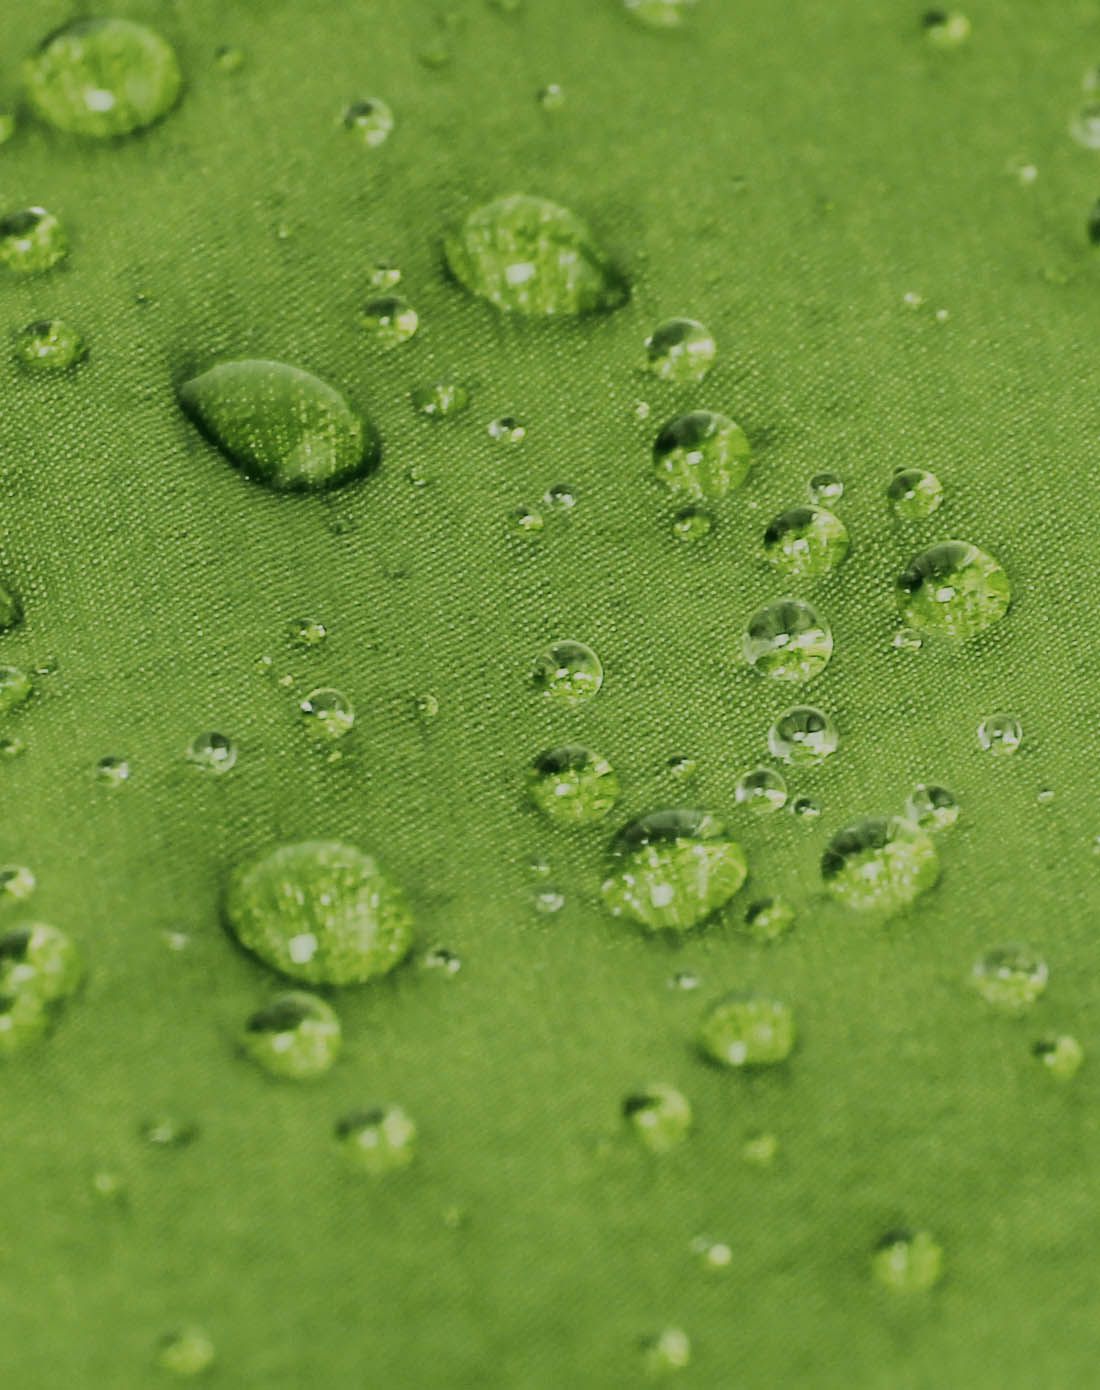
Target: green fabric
column 786, row 174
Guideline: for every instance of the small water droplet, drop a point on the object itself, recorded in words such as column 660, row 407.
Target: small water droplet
column 440, row 400
column 328, row 713
column 670, row 1349
column 426, row 707
column 12, row 746
column 307, row 632
column 112, row 771
column 912, row 300
column 108, row 1186
column 825, row 487
column 370, row 120
column 507, row 430
column 805, row 808
column 681, row 351
column 1000, row 734
column 768, row 919
column 786, row 640
column 185, row 1352
column 760, row 1150
column 907, row 1262
column 49, row 345
column 682, row 768
column 560, row 498
column 32, row 240
column 176, row 940
column 713, row 1255
column 642, row 410
column 953, row 588
column 568, row 672
column 702, row 456
column 660, row 1117
column 525, row 521
column 169, row 1132
column 229, row 59
column 914, row 493
column 806, row 541
column 659, row 14
column 1062, row 1055
column 215, row 753
column 439, row 958
column 745, row 1030
column 389, row 321
column 882, row 863
column 547, row 901
column 384, row 276
column 907, row 639
column 685, row 980
column 803, row 736
column 17, row 882
column 16, row 688
column 552, row 96
column 692, row 524
column 571, row 785
column 761, row 791
column 1023, row 171
column 378, row 1141
column 39, row 960
column 1010, row 977
column 932, row 808
column 294, row 1037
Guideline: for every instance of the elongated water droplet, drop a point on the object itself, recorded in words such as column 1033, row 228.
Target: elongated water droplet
column 1010, row 977
column 32, row 240
column 530, row 256
column 660, row 14
column 880, row 864
column 746, row 1030
column 49, row 345
column 186, row 1352
column 932, row 808
column 914, row 493
column 803, row 736
column 660, row 1116
column 702, row 456
column 215, row 753
column 16, row 688
column 907, row 1262
column 681, row 351
column 1061, row 1055
column 571, row 785
column 377, row 1141
column 40, row 960
column 768, row 919
column 805, row 541
column 371, row 121
column 568, row 672
column 280, row 425
column 761, row 791
column 389, row 321
column 295, row 1037
column 440, row 400
column 670, row 870
column 954, row 588
column 787, row 641
column 1000, row 734
column 320, row 911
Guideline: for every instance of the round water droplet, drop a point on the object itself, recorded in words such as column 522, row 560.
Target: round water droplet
column 295, row 1037
column 670, row 1349
column 49, row 345
column 308, row 632
column 370, row 121
column 426, row 708
column 882, row 863
column 691, row 524
column 384, row 276
column 507, row 430
column 660, row 14
column 377, row 1141
column 529, row 256
column 825, row 487
column 787, row 641
column 229, row 59
column 714, row 1255
column 212, row 752
column 1010, row 977
column 803, row 736
column 389, row 321
column 112, row 771
column 747, row 1031
column 17, row 882
column 945, row 29
column 185, row 1352
column 102, row 78
column 320, row 911
column 954, row 588
column 552, row 96
column 40, row 960
column 660, row 1116
column 769, row 918
column 328, row 713
column 12, row 746
column 16, row 688
column 914, row 493
column 681, row 350
column 682, row 768
column 761, row 791
column 548, row 900
column 907, row 1261
column 568, row 673
column 32, row 240
column 1084, row 125
column 805, row 541
column 760, row 1150
column 1000, row 734
column 440, row 399
column 932, row 808
column 702, row 456
column 169, row 1132
column 1062, row 1055
column 560, row 498
column 572, row 785
column 805, row 808
column 670, row 870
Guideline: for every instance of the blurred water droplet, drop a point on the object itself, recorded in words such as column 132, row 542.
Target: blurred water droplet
column 1000, row 734
column 932, row 808
column 1084, row 125
column 370, row 120
column 507, row 430
column 882, row 863
column 17, row 882
column 439, row 958
column 786, row 640
column 1061, row 1055
column 32, row 240
column 384, row 276
column 112, row 771
column 11, row 746
column 768, row 919
column 568, row 673
column 907, row 1262
column 378, row 1141
column 907, row 639
column 702, row 456
column 551, row 97
column 328, row 713
column 228, row 59
column 714, row 1255
column 49, row 345
column 440, row 400
column 16, row 688
column 670, row 870
column 760, row 1150
column 295, row 1036
column 214, row 753
column 745, row 1030
column 945, row 29
column 547, row 901
column 169, row 1132
column 1010, row 977
column 389, row 321
column 684, row 980
column 670, row 1349
column 185, row 1352
column 659, row 14
column 681, row 351
column 660, row 1116
column 39, row 960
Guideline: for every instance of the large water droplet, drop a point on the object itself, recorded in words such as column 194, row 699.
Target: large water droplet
column 32, row 240
column 805, row 541
column 572, row 785
column 103, row 77
column 787, row 641
column 280, row 425
column 932, row 808
column 803, row 736
column 702, row 456
column 660, row 14
column 681, row 350
column 389, row 321
column 320, row 911
column 49, row 345
column 370, row 120
column 1000, row 734
column 568, row 673
column 530, row 256
column 882, row 863
column 954, row 588
column 660, row 1116
column 747, row 1031
column 185, row 1352
column 761, row 791
column 295, row 1037
column 16, row 687
column 668, row 1351
column 907, row 1261
column 1010, row 977
column 670, row 870
column 914, row 493
column 377, row 1141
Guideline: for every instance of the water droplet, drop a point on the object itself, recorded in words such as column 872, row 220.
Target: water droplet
column 176, row 940
column 1010, row 977
column 426, row 708
column 525, row 521
column 377, row 1141
column 328, row 713
column 806, row 541
column 49, row 345
column 320, row 911
column 8, row 126
column 389, row 321
column 32, row 240
column 439, row 958
column 953, row 588
column 572, row 785
column 12, row 746
column 103, row 78
column 760, row 1149
column 932, row 808
column 39, row 960
column 768, row 919
column 691, row 524
column 1000, row 734
column 660, row 1116
column 551, row 97
column 507, row 430
column 805, row 808
column 186, row 1352
column 547, row 901
column 229, row 59
column 681, row 351
column 370, row 121
column 1062, row 1055
column 702, row 456
column 110, row 1187
column 882, row 863
column 560, row 498
column 682, row 768
column 946, row 29
column 530, row 256
column 17, row 882
column 1084, row 125
column 670, row 1349
column 684, row 980
column 212, row 752
column 16, row 688
column 803, row 736
column 787, row 641
column 670, row 870
column 169, row 1132
column 907, row 1261
column 914, row 493
column 714, row 1255
column 907, row 639
column 440, row 399
column 112, row 771
column 295, row 1037
column 825, row 487
column 308, row 632
column 384, row 276
column 747, row 1031
column 761, row 791
column 281, row 426
column 660, row 14
column 568, row 673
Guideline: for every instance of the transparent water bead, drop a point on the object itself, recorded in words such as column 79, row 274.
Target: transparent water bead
column 378, row 1141
column 568, row 673
column 215, row 753
column 112, row 771
column 296, row 1036
column 16, row 688
column 32, row 240
column 506, row 429
column 561, row 497
column 1000, row 734
column 1010, row 977
column 670, row 870
column 328, row 713
column 907, row 1262
column 308, row 632
column 945, row 28
column 102, row 78
column 571, row 785
column 1061, row 1055
column 321, row 912
column 692, row 524
column 803, row 736
column 761, row 791
column 702, row 456
column 806, row 542
column 389, row 321
column 954, row 588
column 41, row 960
column 786, row 640
column 49, row 345
column 186, row 1352
column 745, row 1030
column 931, row 807
column 440, row 400
column 660, row 14
column 882, row 863
column 825, row 488
column 768, row 919
column 660, row 1116
column 370, row 120
column 914, row 493
column 681, row 351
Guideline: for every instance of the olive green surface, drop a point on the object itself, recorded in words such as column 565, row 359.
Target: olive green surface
column 786, row 174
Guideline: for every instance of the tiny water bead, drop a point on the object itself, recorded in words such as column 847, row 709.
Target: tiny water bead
column 761, row 791
column 806, row 542
column 568, row 673
column 880, row 864
column 169, row 1132
column 1010, row 977
column 682, row 768
column 384, row 276
column 49, row 345
column 745, row 1030
column 825, row 487
column 660, row 1116
column 185, row 1352
column 103, row 78
column 1000, row 734
column 713, row 1255
column 442, row 960
column 702, row 456
column 931, row 807
column 547, row 901
column 319, row 911
column 17, row 882
column 805, row 808
column 378, row 1141
column 308, row 632
column 561, row 497
column 907, row 1261
column 945, row 28
column 954, row 588
column 281, row 426
column 760, row 1150
column 551, row 97
column 112, row 771
column 32, row 240
column 668, row 1351
column 681, row 351
column 914, row 493
column 786, row 640
column 571, row 785
column 294, row 1037
column 328, row 713
column 1061, row 1055
column 506, row 429
column 389, row 321
column 670, row 870
column 769, row 918
column 692, row 524
column 40, row 960
column 371, row 121
column 215, row 753
column 660, row 14
column 440, row 400
column 16, row 688
column 530, row 256
column 803, row 736
column 426, row 707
